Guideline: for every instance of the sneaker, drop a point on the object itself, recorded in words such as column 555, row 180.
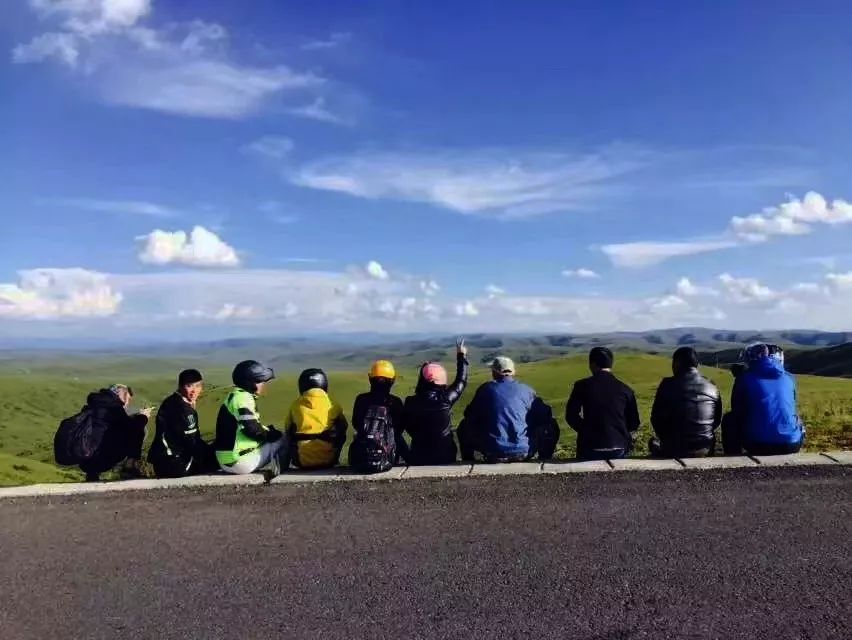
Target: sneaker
column 273, row 470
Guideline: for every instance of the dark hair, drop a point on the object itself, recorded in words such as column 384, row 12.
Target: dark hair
column 188, row 377
column 685, row 357
column 602, row 357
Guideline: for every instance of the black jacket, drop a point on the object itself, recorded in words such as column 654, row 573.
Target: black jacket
column 603, row 412
column 687, row 410
column 395, row 409
column 121, row 435
column 427, row 418
column 178, row 438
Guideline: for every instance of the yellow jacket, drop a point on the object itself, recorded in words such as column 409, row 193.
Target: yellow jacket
column 317, row 429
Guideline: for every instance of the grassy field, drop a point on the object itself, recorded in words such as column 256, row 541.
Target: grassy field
column 32, row 406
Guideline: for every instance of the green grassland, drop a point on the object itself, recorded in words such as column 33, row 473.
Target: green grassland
column 31, row 406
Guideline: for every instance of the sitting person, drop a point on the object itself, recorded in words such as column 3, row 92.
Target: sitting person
column 763, row 419
column 121, row 435
column 178, row 449
column 603, row 411
column 316, row 426
column 377, row 420
column 687, row 411
column 506, row 421
column 243, row 443
column 427, row 415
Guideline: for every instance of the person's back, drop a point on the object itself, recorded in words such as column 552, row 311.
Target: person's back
column 687, row 410
column 377, row 422
column 315, row 423
column 427, row 415
column 501, row 407
column 764, row 403
column 602, row 410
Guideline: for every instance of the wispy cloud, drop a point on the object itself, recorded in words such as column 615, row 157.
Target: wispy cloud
column 117, row 207
column 582, row 273
column 645, row 254
column 488, row 182
column 333, row 41
column 275, row 147
column 181, row 68
column 317, row 110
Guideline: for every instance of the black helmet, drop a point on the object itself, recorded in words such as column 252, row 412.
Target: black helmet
column 248, row 373
column 313, row 379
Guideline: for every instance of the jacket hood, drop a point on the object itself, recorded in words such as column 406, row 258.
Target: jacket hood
column 767, row 368
column 104, row 398
column 314, row 399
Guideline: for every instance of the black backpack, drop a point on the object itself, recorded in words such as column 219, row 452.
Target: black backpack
column 77, row 439
column 374, row 448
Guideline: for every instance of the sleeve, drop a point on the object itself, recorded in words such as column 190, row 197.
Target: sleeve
column 358, row 413
column 659, row 413
column 457, row 388
column 632, row 414
column 574, row 407
column 719, row 410
column 397, row 413
column 251, row 425
column 174, row 423
column 739, row 406
column 341, row 426
column 471, row 412
column 540, row 413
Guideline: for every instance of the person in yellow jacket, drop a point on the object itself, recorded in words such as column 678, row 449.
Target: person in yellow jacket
column 315, row 424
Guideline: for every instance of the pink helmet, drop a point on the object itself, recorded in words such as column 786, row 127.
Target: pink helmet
column 434, row 373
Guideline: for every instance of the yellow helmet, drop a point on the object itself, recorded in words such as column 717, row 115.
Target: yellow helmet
column 383, row 369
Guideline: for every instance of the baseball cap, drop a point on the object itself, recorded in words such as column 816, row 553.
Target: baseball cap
column 503, row 365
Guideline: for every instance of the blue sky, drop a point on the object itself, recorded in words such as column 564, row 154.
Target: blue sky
column 218, row 168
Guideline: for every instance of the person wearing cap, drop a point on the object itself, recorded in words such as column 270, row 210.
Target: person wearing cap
column 764, row 419
column 603, row 411
column 506, row 421
column 122, row 433
column 427, row 415
column 370, row 408
column 687, row 411
column 178, row 449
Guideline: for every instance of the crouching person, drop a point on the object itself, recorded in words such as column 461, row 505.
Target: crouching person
column 506, row 421
column 687, row 411
column 121, row 435
column 178, row 449
column 243, row 444
column 316, row 426
column 763, row 420
column 377, row 420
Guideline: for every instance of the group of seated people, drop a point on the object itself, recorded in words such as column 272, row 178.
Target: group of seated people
column 506, row 421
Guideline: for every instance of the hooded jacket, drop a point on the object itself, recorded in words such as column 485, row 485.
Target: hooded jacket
column 427, row 417
column 764, row 404
column 317, row 430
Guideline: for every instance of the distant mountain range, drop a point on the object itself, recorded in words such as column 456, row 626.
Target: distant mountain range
column 823, row 353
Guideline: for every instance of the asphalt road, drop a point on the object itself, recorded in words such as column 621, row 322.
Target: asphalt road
column 736, row 554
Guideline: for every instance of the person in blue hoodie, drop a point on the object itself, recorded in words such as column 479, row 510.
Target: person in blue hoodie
column 764, row 420
column 506, row 421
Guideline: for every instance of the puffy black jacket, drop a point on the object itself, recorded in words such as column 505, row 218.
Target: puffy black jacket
column 687, row 410
column 427, row 417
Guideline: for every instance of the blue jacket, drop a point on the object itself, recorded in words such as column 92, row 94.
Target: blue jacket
column 500, row 412
column 764, row 404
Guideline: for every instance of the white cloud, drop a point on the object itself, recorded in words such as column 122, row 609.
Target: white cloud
column 201, row 248
column 581, row 273
column 50, row 294
column 669, row 301
column 466, row 308
column 793, row 217
column 226, row 312
column 317, row 110
column 645, row 254
column 502, row 183
column 128, row 207
column 181, row 68
column 332, row 42
column 430, row 288
column 745, row 290
column 494, row 291
column 840, row 280
column 686, row 289
column 276, row 147
column 376, row 271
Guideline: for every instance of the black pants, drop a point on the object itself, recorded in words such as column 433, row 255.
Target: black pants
column 543, row 440
column 658, row 449
column 601, row 454
column 203, row 461
column 118, row 444
column 734, row 443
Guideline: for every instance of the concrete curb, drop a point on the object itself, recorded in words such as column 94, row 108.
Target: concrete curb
column 447, row 471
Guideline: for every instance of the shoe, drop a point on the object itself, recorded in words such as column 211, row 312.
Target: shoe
column 132, row 470
column 273, row 470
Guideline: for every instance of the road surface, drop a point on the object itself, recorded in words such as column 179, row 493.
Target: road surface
column 761, row 553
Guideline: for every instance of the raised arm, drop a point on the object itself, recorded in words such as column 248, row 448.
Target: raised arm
column 455, row 390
